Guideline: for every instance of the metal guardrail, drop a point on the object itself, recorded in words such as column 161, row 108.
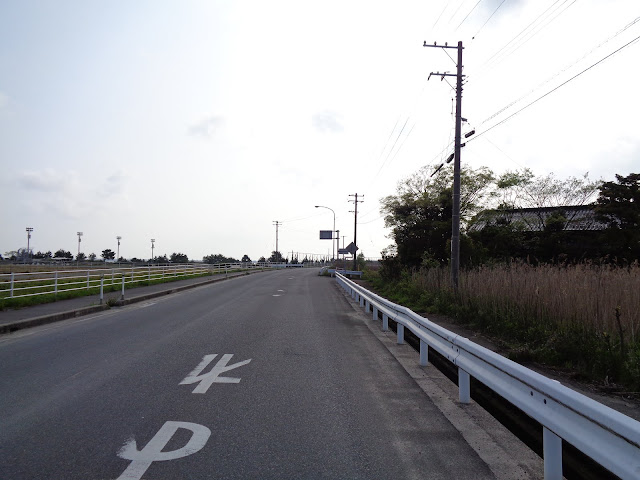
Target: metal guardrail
column 608, row 437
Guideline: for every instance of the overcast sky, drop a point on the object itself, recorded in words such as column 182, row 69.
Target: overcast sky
column 200, row 123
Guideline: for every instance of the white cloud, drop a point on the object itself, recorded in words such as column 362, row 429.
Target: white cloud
column 327, row 122
column 206, row 128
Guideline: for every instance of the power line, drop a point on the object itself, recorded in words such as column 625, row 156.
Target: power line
column 487, row 21
column 619, row 32
column 470, row 12
column 533, row 34
column 500, row 50
column 440, row 16
column 556, row 88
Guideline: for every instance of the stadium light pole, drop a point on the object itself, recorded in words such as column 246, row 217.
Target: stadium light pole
column 333, row 232
column 118, row 254
column 153, row 240
column 29, row 230
column 79, row 240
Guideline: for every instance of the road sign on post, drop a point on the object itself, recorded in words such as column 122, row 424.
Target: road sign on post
column 350, row 249
column 326, row 234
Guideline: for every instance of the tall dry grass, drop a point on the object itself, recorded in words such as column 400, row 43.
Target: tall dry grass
column 583, row 295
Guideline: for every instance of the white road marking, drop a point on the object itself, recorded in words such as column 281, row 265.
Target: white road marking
column 276, row 295
column 141, row 460
column 281, row 290
column 207, row 379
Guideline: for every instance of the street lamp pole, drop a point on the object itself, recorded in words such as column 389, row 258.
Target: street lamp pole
column 333, row 232
column 153, row 240
column 118, row 255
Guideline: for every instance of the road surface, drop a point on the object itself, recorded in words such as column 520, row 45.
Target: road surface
column 273, row 375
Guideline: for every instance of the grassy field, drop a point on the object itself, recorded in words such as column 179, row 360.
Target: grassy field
column 581, row 317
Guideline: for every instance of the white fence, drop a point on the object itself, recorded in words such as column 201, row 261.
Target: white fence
column 16, row 285
column 603, row 434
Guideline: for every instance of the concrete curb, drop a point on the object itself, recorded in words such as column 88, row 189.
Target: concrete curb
column 78, row 312
column 52, row 317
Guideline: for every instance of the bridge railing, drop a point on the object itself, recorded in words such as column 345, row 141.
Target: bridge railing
column 603, row 434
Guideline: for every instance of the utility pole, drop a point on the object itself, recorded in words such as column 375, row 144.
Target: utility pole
column 355, row 226
column 455, row 217
column 277, row 224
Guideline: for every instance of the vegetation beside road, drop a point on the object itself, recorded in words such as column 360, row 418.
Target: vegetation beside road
column 582, row 318
column 551, row 273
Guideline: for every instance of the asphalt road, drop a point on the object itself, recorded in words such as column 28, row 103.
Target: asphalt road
column 142, row 392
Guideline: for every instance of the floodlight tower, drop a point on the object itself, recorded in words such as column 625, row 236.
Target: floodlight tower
column 153, row 240
column 29, row 230
column 118, row 255
column 79, row 240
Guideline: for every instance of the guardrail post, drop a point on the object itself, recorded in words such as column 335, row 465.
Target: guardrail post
column 552, row 453
column 367, row 306
column 400, row 334
column 101, row 289
column 122, row 297
column 55, row 284
column 424, row 353
column 385, row 322
column 464, row 386
column 375, row 313
column 11, row 288
column 361, row 300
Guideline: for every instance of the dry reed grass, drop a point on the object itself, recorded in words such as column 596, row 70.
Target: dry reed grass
column 581, row 295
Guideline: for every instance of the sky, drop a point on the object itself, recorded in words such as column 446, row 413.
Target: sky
column 201, row 123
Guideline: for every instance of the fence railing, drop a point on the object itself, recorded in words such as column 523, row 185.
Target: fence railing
column 603, row 434
column 28, row 284
column 66, row 279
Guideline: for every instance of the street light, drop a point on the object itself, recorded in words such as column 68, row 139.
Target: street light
column 118, row 255
column 79, row 240
column 153, row 240
column 29, row 230
column 334, row 229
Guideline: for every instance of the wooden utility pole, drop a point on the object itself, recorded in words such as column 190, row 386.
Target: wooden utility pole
column 455, row 217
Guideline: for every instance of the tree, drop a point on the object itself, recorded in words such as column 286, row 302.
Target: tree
column 179, row 258
column 108, row 254
column 218, row 258
column 81, row 257
column 262, row 260
column 63, row 254
column 92, row 257
column 420, row 214
column 276, row 257
column 521, row 189
column 245, row 258
column 618, row 205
